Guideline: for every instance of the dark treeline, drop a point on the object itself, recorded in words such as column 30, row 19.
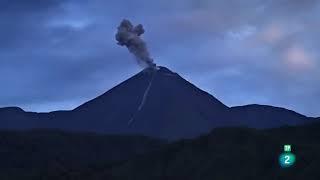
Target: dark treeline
column 225, row 153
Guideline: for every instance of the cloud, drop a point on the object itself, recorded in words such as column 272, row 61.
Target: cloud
column 30, row 6
column 298, row 59
column 273, row 33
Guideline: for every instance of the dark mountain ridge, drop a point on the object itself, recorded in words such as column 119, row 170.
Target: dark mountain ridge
column 156, row 103
column 224, row 153
column 227, row 153
column 42, row 152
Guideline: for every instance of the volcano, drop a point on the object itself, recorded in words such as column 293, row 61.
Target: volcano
column 155, row 102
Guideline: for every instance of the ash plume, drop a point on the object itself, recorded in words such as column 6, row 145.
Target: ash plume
column 130, row 36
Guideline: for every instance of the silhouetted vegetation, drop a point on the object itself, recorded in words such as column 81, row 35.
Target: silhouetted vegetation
column 41, row 154
column 225, row 153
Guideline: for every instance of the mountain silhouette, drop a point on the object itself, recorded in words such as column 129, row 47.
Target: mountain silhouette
column 41, row 153
column 154, row 102
column 225, row 153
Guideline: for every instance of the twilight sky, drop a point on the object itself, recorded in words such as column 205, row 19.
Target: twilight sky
column 57, row 54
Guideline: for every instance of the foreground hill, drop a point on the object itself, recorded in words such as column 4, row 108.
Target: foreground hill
column 44, row 153
column 156, row 103
column 225, row 153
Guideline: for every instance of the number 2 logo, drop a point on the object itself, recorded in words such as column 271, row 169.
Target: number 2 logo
column 287, row 159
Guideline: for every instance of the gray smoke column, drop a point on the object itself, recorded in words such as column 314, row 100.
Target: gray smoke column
column 130, row 36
